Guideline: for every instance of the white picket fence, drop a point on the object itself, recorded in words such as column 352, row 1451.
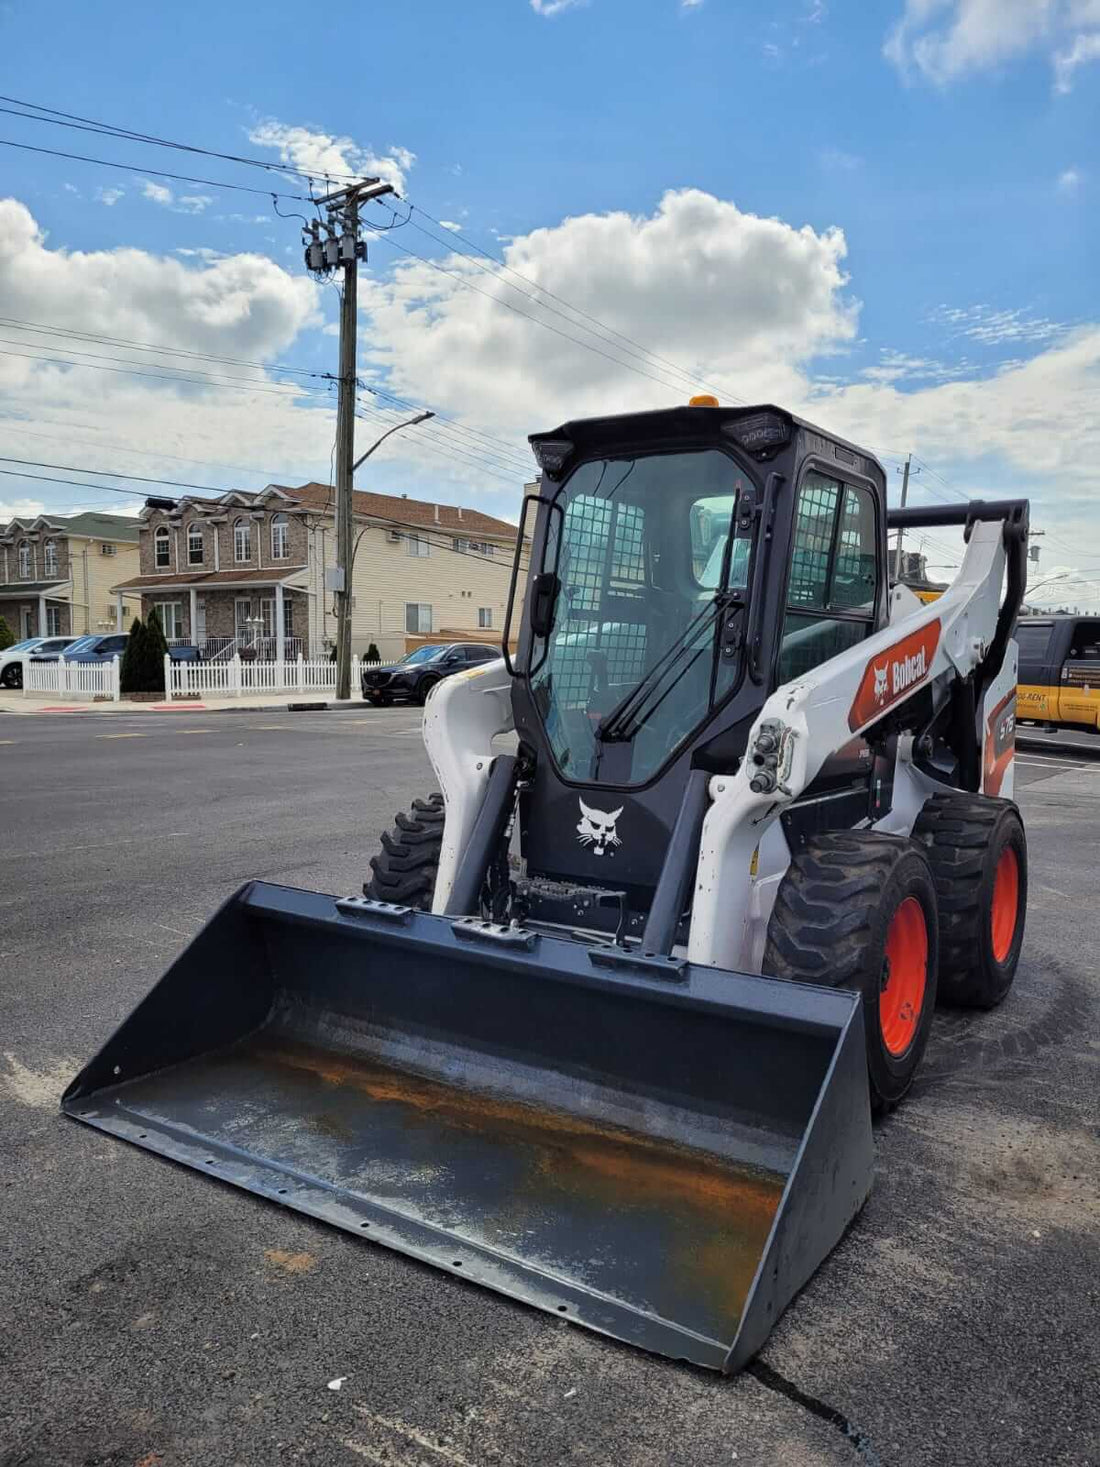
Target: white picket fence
column 235, row 678
column 73, row 679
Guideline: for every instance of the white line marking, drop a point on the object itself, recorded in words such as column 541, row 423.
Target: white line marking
column 410, row 1434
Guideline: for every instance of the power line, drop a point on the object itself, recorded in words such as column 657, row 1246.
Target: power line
column 509, row 306
column 606, row 333
column 239, row 188
column 283, row 390
column 108, row 129
column 424, row 531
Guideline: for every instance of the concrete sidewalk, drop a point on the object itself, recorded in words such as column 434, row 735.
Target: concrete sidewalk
column 16, row 703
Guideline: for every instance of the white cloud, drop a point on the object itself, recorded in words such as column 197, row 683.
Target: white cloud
column 11, row 509
column 699, row 281
column 555, row 7
column 451, row 225
column 690, row 4
column 836, row 160
column 948, row 39
column 157, row 193
column 245, row 302
column 1083, row 49
column 1069, row 181
column 109, row 196
column 992, row 326
column 321, row 153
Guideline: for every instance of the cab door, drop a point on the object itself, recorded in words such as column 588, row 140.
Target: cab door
column 1079, row 685
column 1040, row 668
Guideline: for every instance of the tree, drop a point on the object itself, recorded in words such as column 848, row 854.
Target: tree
column 132, row 671
column 7, row 636
column 156, row 650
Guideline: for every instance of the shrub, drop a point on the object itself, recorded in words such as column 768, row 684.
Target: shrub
column 7, row 636
column 132, row 670
column 156, row 650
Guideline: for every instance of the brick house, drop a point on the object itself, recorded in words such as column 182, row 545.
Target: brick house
column 248, row 571
column 57, row 573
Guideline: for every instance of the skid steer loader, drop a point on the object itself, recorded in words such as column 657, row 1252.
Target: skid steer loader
column 607, row 1028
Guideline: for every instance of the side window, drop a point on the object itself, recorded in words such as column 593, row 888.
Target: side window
column 834, row 574
column 1085, row 646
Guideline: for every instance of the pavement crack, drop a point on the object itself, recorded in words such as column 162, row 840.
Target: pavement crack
column 784, row 1387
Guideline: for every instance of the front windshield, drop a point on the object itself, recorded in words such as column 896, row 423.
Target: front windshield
column 632, row 665
column 423, row 654
column 80, row 645
column 23, row 646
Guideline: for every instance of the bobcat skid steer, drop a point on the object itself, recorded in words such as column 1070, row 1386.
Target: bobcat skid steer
column 607, row 1029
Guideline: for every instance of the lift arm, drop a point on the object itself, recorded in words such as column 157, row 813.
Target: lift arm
column 965, row 633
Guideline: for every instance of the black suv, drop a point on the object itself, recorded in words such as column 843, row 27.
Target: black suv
column 418, row 672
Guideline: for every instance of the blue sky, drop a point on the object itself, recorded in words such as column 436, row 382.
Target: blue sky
column 885, row 215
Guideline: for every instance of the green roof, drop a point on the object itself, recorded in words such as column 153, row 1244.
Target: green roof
column 102, row 526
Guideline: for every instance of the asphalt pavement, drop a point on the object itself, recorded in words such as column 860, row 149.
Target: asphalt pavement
column 151, row 1318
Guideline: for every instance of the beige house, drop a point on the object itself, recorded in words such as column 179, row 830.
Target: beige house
column 251, row 572
column 57, row 573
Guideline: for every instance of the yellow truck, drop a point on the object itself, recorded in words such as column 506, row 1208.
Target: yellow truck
column 1059, row 677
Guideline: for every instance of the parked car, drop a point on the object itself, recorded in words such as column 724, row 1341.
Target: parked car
column 11, row 661
column 84, row 649
column 412, row 679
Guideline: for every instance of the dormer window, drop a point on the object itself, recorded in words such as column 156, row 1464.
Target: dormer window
column 50, row 557
column 194, row 545
column 162, row 549
column 25, row 560
column 280, row 537
column 242, row 540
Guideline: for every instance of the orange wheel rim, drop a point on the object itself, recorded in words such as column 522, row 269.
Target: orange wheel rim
column 1006, row 903
column 904, row 978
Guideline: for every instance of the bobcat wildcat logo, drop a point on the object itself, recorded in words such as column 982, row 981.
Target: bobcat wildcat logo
column 893, row 674
column 597, row 829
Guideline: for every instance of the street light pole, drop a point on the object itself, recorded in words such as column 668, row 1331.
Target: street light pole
column 397, row 427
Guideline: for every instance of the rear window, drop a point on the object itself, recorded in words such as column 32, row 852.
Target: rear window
column 1032, row 641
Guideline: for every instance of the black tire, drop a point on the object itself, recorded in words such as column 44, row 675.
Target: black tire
column 405, row 869
column 12, row 676
column 968, row 839
column 424, row 687
column 833, row 916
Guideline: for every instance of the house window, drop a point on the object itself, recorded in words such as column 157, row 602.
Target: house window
column 473, row 547
column 50, row 551
column 242, row 540
column 288, row 616
column 171, row 619
column 106, row 549
column 53, row 621
column 418, row 617
column 25, row 560
column 194, row 545
column 485, row 616
column 162, row 549
column 418, row 545
column 280, row 537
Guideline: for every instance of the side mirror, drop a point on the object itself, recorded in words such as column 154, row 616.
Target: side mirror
column 544, row 603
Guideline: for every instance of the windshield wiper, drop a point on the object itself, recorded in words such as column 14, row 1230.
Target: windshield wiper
column 624, row 720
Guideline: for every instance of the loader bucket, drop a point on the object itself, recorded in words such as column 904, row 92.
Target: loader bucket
column 662, row 1152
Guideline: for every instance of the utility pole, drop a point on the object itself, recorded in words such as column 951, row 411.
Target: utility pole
column 904, row 496
column 343, row 249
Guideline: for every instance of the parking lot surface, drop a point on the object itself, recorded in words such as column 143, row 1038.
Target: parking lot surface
column 153, row 1318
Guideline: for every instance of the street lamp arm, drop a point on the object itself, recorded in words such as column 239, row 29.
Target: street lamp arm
column 411, row 423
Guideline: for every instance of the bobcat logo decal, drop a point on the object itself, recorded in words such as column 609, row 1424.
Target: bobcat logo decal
column 881, row 683
column 596, row 829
